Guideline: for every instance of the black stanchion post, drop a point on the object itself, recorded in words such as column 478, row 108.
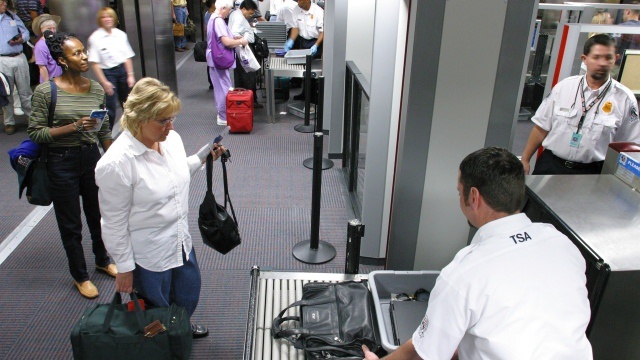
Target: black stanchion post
column 326, row 163
column 306, row 127
column 355, row 232
column 314, row 251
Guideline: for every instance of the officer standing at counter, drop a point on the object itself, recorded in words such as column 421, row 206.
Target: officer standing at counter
column 583, row 114
column 516, row 292
column 308, row 23
column 307, row 32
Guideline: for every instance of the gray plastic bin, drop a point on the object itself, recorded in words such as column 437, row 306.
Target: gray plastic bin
column 383, row 283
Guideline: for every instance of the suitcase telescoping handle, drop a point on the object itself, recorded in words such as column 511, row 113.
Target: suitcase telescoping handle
column 117, row 300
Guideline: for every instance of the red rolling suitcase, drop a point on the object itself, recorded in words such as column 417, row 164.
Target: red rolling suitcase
column 240, row 110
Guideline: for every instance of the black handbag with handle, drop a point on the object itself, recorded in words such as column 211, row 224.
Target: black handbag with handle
column 37, row 178
column 219, row 230
column 336, row 320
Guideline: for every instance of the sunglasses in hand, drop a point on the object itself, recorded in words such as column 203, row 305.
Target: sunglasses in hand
column 419, row 295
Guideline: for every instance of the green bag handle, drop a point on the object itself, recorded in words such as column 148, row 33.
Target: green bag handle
column 117, row 300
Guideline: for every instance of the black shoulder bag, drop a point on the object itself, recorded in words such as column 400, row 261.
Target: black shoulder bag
column 336, row 320
column 261, row 46
column 38, row 181
column 200, row 51
column 218, row 229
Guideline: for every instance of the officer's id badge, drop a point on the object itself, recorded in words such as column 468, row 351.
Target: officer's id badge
column 633, row 114
column 424, row 324
column 575, row 140
column 607, row 107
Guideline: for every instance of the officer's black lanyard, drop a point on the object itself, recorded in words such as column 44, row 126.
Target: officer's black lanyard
column 586, row 109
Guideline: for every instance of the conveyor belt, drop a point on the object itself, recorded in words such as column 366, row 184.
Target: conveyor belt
column 271, row 292
column 280, row 63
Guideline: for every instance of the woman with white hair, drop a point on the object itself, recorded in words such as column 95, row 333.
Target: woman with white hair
column 219, row 36
column 48, row 66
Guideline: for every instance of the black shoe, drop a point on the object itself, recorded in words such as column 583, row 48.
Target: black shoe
column 257, row 105
column 299, row 96
column 199, row 331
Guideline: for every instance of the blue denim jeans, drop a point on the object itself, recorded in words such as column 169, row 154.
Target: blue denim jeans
column 181, row 17
column 180, row 285
column 71, row 172
column 118, row 77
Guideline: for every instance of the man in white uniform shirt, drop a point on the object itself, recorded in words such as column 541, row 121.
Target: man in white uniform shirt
column 307, row 32
column 583, row 114
column 516, row 292
column 307, row 28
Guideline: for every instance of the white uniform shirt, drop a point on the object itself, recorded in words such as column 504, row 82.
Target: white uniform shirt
column 309, row 23
column 516, row 292
column 109, row 50
column 275, row 6
column 615, row 118
column 144, row 201
column 285, row 13
column 240, row 26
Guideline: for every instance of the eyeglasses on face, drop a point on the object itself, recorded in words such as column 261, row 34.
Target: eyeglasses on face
column 163, row 122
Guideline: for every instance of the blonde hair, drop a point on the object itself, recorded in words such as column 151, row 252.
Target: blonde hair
column 108, row 11
column 149, row 99
column 600, row 18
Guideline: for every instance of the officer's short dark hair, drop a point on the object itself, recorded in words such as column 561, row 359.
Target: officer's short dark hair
column 498, row 175
column 598, row 39
column 248, row 5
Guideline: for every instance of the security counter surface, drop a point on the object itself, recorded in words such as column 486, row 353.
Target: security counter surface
column 601, row 215
column 601, row 210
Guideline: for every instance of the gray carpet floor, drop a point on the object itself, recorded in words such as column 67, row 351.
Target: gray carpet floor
column 271, row 192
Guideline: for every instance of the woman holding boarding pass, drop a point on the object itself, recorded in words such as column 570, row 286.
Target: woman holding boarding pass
column 73, row 154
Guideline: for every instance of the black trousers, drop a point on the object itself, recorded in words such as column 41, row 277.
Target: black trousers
column 71, row 173
column 549, row 164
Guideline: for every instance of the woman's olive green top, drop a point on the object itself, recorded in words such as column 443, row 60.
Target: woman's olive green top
column 69, row 109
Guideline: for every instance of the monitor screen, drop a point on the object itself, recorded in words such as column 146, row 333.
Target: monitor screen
column 629, row 74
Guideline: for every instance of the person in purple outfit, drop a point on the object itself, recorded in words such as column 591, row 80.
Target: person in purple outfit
column 218, row 32
column 47, row 65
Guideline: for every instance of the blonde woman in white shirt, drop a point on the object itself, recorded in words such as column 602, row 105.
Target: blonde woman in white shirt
column 144, row 201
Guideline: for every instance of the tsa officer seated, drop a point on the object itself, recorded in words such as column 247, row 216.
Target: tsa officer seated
column 516, row 292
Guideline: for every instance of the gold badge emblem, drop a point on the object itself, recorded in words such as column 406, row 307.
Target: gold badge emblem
column 607, row 107
column 311, row 16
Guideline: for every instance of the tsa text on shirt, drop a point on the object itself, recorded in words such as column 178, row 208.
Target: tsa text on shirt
column 520, row 237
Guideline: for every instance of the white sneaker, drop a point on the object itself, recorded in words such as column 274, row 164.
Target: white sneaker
column 18, row 111
column 221, row 122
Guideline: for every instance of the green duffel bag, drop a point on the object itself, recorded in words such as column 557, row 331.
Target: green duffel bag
column 111, row 331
